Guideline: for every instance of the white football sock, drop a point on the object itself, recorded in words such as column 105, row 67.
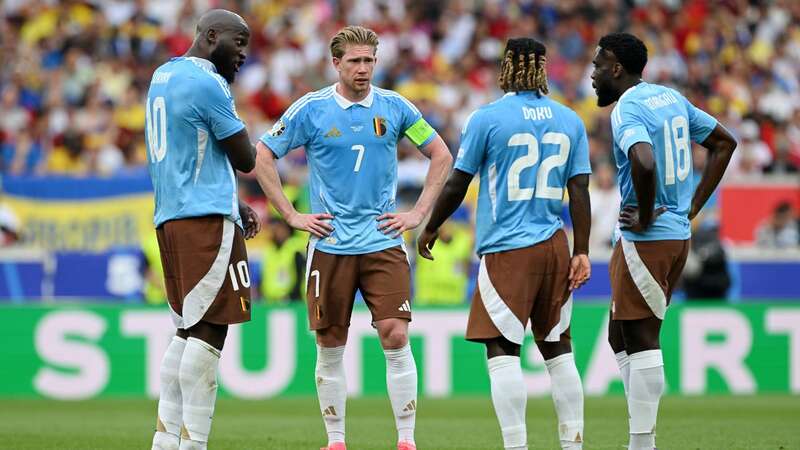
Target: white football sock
column 401, row 382
column 568, row 399
column 332, row 390
column 623, row 362
column 198, row 381
column 168, row 425
column 509, row 397
column 646, row 387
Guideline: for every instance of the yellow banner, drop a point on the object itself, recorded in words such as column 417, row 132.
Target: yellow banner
column 84, row 224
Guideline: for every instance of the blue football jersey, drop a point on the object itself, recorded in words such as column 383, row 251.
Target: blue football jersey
column 663, row 118
column 189, row 110
column 352, row 158
column 525, row 148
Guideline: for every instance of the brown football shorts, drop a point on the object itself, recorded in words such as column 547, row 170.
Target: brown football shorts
column 521, row 284
column 643, row 275
column 205, row 270
column 384, row 278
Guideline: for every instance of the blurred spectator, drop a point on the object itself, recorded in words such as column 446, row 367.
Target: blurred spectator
column 705, row 275
column 780, row 230
column 605, row 199
column 9, row 226
column 444, row 280
column 752, row 154
column 283, row 263
column 154, row 290
column 782, row 163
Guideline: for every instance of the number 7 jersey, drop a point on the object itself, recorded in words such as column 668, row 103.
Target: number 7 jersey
column 663, row 118
column 525, row 147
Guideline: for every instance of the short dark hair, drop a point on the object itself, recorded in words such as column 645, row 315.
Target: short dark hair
column 783, row 207
column 629, row 50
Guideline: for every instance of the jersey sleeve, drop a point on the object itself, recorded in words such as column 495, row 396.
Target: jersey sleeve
column 289, row 132
column 701, row 124
column 627, row 127
column 218, row 108
column 414, row 126
column 472, row 151
column 579, row 161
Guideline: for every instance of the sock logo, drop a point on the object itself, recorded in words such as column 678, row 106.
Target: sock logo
column 405, row 306
column 329, row 411
column 411, row 406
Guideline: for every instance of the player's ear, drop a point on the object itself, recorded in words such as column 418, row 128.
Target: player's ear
column 211, row 36
column 616, row 70
column 336, row 62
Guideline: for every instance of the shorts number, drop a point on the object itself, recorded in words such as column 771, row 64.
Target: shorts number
column 680, row 136
column 360, row 149
column 244, row 275
column 315, row 274
column 515, row 192
column 156, row 123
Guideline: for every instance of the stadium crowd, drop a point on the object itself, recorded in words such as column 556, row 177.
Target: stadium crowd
column 74, row 73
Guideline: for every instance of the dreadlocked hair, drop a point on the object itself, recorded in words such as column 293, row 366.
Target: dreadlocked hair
column 523, row 66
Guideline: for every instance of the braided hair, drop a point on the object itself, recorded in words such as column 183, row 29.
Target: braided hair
column 523, row 66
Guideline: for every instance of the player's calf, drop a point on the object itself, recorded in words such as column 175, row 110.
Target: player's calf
column 509, row 396
column 198, row 381
column 170, row 403
column 332, row 393
column 567, row 390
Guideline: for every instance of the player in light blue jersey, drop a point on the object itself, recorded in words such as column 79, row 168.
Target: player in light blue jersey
column 653, row 127
column 195, row 141
column 526, row 149
column 350, row 132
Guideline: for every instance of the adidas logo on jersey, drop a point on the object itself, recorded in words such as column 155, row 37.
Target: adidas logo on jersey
column 333, row 132
column 406, row 306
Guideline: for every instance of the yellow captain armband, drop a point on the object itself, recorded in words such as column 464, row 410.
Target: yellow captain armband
column 420, row 132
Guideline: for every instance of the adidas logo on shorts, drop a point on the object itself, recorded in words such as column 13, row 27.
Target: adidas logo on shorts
column 406, row 306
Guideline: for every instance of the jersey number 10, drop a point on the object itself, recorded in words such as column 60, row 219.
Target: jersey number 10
column 680, row 136
column 156, row 123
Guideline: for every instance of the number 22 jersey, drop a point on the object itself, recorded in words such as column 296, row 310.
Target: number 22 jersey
column 525, row 147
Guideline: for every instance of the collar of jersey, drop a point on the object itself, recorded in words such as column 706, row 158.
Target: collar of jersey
column 204, row 63
column 640, row 83
column 345, row 103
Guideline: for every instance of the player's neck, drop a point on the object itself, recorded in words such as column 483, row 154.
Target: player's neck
column 196, row 52
column 351, row 95
column 629, row 83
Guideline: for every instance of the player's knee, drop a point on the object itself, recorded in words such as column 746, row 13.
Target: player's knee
column 394, row 337
column 550, row 350
column 333, row 336
column 501, row 347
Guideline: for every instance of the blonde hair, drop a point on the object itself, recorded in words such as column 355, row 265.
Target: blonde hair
column 352, row 35
column 523, row 71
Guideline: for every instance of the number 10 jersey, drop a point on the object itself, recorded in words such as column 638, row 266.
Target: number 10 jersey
column 525, row 148
column 189, row 110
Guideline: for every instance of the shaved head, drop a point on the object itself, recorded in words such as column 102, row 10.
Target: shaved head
column 222, row 37
column 220, row 20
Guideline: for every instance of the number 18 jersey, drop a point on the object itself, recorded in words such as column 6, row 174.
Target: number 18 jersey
column 663, row 118
column 526, row 148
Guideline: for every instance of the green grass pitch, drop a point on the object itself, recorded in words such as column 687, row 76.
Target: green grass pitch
column 761, row 422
